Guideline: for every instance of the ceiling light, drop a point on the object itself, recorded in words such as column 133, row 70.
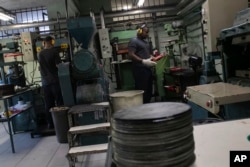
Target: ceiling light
column 5, row 15
column 140, row 3
column 127, row 7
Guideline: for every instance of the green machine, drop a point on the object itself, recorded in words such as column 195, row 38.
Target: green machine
column 82, row 79
column 123, row 67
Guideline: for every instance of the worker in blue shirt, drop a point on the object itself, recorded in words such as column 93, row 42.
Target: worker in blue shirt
column 139, row 53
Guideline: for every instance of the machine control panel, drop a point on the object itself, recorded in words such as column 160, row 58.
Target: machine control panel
column 28, row 45
column 106, row 49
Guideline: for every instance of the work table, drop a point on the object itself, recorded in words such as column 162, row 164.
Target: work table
column 213, row 142
column 8, row 102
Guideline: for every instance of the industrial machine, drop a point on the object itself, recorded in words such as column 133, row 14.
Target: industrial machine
column 12, row 74
column 181, row 72
column 15, row 74
column 28, row 45
column 209, row 75
column 62, row 44
column 82, row 80
column 228, row 99
column 122, row 65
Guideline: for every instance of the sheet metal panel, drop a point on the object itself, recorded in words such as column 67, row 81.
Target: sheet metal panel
column 211, row 96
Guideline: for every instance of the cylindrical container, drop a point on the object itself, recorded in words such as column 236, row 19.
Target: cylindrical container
column 126, row 99
column 154, row 134
column 60, row 120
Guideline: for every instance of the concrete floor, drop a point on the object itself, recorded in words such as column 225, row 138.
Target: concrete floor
column 40, row 152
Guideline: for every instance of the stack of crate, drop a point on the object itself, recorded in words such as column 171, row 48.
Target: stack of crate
column 89, row 130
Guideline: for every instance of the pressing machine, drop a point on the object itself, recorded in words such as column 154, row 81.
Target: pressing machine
column 82, row 80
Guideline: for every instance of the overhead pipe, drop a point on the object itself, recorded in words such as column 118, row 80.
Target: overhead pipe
column 171, row 11
column 191, row 6
column 92, row 15
column 167, row 9
column 183, row 3
column 149, row 20
column 30, row 25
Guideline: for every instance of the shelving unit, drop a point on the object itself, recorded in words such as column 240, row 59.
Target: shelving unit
column 8, row 102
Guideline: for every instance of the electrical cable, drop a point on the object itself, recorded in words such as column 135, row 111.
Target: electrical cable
column 32, row 73
column 6, row 130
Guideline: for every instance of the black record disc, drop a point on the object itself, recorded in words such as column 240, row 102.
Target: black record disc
column 151, row 111
column 155, row 134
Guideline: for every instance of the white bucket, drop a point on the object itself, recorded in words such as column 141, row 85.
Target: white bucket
column 126, row 99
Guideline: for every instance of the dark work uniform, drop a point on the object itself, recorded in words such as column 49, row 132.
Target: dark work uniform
column 48, row 59
column 143, row 75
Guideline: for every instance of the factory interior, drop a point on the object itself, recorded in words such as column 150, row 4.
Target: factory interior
column 199, row 111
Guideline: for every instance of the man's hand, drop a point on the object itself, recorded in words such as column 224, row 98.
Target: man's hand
column 148, row 62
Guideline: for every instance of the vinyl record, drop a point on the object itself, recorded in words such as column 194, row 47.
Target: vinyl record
column 155, row 134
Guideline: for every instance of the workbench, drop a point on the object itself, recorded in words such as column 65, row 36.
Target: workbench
column 213, row 142
column 7, row 103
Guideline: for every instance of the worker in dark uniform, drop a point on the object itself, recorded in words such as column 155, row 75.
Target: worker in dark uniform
column 48, row 60
column 139, row 53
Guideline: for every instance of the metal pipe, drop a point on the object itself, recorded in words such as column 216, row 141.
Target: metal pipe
column 92, row 15
column 183, row 3
column 171, row 11
column 66, row 8
column 29, row 25
column 102, row 19
column 150, row 20
column 191, row 19
column 191, row 6
column 167, row 9
column 59, row 24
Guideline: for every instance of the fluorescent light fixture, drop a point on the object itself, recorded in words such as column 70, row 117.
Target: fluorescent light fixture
column 5, row 17
column 127, row 7
column 140, row 2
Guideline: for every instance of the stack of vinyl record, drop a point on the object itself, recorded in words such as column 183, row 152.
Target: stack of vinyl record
column 154, row 134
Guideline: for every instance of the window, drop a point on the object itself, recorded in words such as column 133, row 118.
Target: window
column 23, row 16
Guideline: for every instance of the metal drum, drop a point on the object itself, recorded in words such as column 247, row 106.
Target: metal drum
column 155, row 134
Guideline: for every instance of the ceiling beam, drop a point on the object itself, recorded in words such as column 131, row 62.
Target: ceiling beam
column 170, row 11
